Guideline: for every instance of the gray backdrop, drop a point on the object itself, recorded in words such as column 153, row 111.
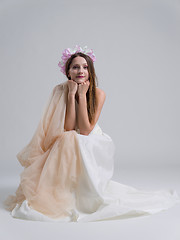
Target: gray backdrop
column 137, row 45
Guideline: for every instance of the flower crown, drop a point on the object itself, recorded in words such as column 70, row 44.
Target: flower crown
column 66, row 54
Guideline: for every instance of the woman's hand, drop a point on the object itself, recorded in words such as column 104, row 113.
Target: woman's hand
column 83, row 88
column 73, row 86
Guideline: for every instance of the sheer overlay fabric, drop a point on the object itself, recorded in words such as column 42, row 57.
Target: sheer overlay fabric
column 67, row 176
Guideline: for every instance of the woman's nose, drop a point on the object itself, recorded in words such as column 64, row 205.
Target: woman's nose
column 81, row 69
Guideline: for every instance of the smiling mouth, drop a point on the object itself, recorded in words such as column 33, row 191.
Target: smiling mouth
column 80, row 76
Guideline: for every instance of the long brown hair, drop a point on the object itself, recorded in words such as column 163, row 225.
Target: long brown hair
column 91, row 93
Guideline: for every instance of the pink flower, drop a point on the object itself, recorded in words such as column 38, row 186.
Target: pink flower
column 66, row 54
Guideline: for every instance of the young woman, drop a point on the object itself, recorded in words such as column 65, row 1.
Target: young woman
column 82, row 88
column 68, row 164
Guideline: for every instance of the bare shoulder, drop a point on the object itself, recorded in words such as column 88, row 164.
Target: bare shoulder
column 100, row 93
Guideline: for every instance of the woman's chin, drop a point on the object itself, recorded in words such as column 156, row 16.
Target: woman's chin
column 79, row 81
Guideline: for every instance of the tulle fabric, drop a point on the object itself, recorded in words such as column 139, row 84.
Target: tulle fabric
column 51, row 161
column 67, row 176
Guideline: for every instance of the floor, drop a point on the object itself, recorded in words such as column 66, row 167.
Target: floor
column 164, row 225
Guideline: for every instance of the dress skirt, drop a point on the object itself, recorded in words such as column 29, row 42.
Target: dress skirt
column 67, row 176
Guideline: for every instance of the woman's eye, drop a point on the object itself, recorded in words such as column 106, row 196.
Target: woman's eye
column 76, row 67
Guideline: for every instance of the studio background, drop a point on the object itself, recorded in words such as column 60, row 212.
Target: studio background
column 137, row 46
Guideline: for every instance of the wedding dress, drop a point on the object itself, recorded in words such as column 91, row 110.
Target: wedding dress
column 67, row 176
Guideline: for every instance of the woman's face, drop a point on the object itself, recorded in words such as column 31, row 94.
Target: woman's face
column 79, row 67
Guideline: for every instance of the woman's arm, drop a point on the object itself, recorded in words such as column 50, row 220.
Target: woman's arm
column 85, row 126
column 70, row 118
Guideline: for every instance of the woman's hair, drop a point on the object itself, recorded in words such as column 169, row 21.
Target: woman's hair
column 91, row 93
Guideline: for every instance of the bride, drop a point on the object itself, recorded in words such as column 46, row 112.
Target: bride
column 69, row 162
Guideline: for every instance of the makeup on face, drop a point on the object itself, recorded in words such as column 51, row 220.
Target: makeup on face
column 79, row 70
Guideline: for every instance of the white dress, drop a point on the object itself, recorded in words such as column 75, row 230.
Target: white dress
column 92, row 195
column 97, row 197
